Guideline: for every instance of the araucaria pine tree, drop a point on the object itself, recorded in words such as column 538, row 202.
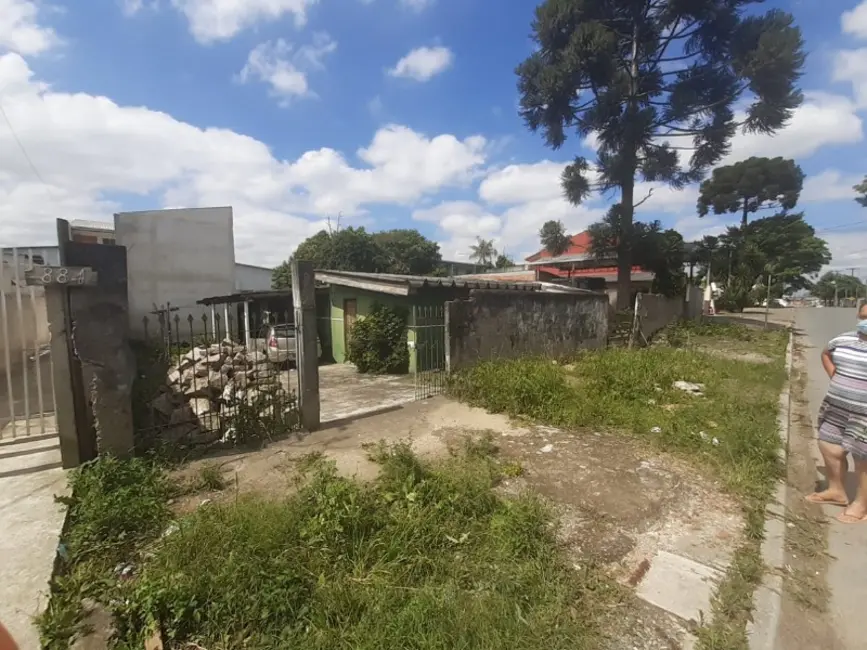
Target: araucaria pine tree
column 649, row 78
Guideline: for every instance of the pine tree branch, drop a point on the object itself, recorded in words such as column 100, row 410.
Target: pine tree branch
column 649, row 194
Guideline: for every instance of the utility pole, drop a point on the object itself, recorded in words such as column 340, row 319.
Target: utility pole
column 768, row 302
column 836, row 302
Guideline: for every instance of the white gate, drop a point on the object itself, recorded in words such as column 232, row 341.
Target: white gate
column 27, row 401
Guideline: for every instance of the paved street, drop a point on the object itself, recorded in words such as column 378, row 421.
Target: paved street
column 847, row 576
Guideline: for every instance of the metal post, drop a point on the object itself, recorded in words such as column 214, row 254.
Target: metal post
column 226, row 321
column 4, row 316
column 247, row 323
column 768, row 302
column 213, row 319
column 22, row 336
column 37, row 363
column 307, row 362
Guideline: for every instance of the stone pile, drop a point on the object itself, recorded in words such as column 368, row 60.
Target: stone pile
column 206, row 387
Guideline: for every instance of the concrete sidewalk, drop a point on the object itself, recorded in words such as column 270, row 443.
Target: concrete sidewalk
column 847, row 544
column 31, row 521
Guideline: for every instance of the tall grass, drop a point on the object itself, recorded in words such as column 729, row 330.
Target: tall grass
column 633, row 391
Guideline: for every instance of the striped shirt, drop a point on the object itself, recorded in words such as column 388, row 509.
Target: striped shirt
column 848, row 388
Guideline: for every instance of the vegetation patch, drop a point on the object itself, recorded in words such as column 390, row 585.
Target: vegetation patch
column 426, row 556
column 378, row 343
column 728, row 423
column 116, row 509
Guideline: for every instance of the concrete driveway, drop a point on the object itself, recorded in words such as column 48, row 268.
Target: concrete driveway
column 345, row 393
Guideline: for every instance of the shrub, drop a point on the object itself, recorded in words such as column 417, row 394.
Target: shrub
column 377, row 343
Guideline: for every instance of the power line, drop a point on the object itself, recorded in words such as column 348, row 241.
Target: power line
column 21, row 146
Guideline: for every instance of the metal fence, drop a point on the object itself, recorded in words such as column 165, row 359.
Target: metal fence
column 27, row 401
column 429, row 330
column 199, row 383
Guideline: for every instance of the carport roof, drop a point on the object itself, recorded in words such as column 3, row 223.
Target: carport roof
column 403, row 285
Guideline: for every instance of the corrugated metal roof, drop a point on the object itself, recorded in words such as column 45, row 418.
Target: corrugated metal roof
column 404, row 284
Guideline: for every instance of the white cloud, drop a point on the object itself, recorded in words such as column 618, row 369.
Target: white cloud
column 822, row 120
column 133, row 7
column 523, row 183
column 423, row 63
column 847, row 249
column 375, row 106
column 220, row 20
column 19, row 31
column 417, row 5
column 850, row 66
column 855, row 21
column 87, row 147
column 830, row 185
column 275, row 64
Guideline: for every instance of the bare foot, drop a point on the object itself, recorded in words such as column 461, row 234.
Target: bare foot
column 855, row 513
column 828, row 498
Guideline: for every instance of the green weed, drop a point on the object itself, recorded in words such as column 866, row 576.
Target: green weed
column 115, row 509
column 426, row 556
column 731, row 427
column 209, row 478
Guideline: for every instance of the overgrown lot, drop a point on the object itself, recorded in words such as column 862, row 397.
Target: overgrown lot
column 426, row 556
column 729, row 426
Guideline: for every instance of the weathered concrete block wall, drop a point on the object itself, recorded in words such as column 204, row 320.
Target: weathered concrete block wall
column 694, row 304
column 656, row 312
column 177, row 257
column 505, row 324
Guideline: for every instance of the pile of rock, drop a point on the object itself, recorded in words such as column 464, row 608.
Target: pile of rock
column 207, row 387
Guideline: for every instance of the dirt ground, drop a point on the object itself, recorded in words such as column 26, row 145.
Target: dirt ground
column 631, row 508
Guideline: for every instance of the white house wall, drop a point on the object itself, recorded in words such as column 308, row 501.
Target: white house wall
column 176, row 257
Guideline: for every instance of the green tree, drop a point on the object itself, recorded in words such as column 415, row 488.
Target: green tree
column 483, row 251
column 783, row 246
column 554, row 238
column 751, row 185
column 503, row 261
column 354, row 249
column 281, row 276
column 861, row 188
column 639, row 74
column 407, row 251
column 659, row 251
column 834, row 284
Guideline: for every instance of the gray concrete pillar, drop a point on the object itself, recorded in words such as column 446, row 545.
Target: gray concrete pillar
column 304, row 301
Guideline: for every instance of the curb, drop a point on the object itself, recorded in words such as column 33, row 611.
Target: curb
column 762, row 629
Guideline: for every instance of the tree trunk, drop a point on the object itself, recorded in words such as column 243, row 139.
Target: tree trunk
column 744, row 216
column 624, row 257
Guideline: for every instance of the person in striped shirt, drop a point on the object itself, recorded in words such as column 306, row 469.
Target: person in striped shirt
column 843, row 420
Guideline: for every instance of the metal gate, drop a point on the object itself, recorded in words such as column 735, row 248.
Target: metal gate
column 429, row 362
column 27, row 400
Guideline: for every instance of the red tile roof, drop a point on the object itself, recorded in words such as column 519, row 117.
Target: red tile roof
column 579, row 243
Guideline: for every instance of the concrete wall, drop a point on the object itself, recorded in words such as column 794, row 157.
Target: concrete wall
column 177, row 257
column 252, row 278
column 656, row 312
column 503, row 324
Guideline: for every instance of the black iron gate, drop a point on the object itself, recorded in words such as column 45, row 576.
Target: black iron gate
column 429, row 363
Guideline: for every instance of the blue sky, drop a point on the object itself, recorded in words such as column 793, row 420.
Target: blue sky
column 391, row 113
